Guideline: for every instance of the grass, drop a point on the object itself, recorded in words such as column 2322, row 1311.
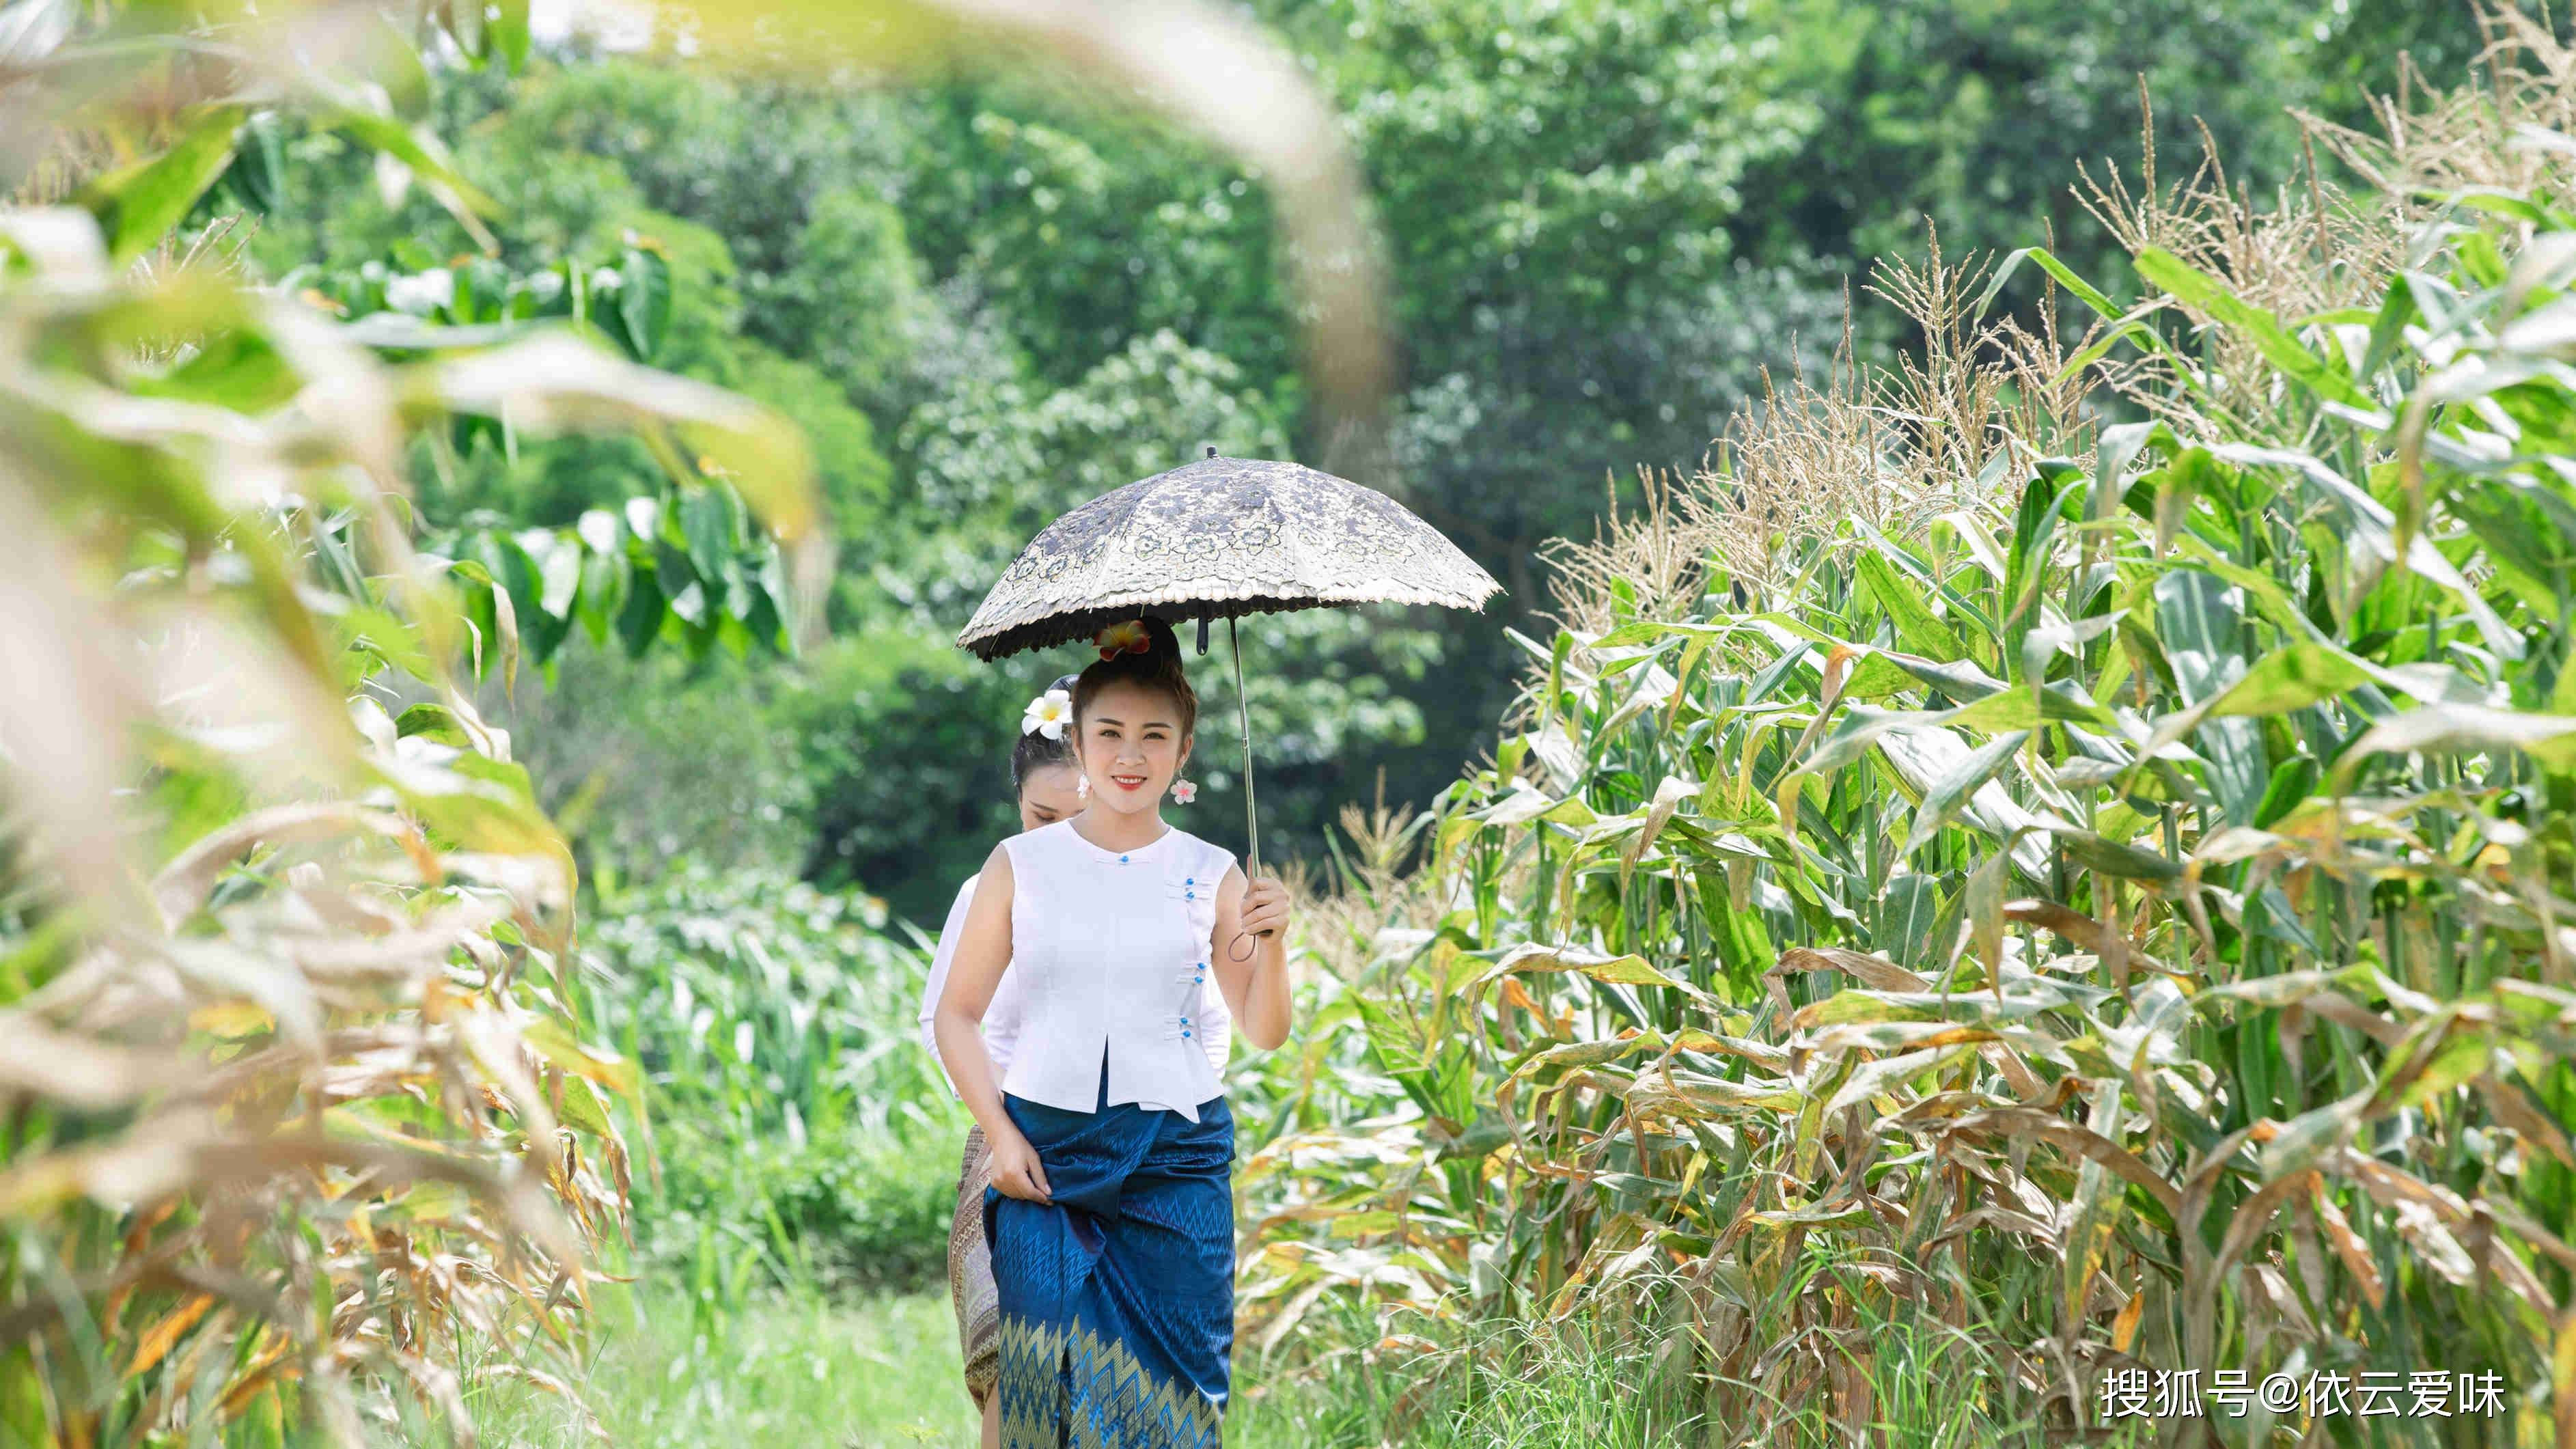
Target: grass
column 784, row 1370
column 799, row 1368
column 1606, row 1382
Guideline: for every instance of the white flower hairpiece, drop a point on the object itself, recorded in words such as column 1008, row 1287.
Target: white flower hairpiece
column 1047, row 714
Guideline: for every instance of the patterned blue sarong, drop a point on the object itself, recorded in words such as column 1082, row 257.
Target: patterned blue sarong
column 1117, row 1299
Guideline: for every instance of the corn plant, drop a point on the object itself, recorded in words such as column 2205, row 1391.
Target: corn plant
column 299, row 1097
column 299, row 1108
column 2118, row 909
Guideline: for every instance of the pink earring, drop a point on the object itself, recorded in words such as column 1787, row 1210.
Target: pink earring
column 1184, row 791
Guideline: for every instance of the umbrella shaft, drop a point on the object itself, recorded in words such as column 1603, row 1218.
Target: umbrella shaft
column 1243, row 713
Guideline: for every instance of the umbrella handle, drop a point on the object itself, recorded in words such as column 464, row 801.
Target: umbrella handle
column 1243, row 714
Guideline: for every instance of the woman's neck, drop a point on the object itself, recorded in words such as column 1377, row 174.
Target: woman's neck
column 1119, row 830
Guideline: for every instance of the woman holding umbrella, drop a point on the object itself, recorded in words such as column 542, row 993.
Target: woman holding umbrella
column 1111, row 1215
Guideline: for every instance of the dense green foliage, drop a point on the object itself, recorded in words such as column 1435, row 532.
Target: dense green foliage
column 988, row 301
column 802, row 1134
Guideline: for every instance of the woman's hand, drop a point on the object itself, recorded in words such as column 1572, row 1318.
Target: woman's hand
column 1265, row 907
column 1252, row 964
column 1016, row 1169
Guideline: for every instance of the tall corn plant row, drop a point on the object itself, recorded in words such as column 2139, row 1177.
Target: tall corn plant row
column 2125, row 917
column 300, row 1125
column 298, row 1108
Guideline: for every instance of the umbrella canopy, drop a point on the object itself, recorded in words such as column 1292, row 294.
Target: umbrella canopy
column 1216, row 539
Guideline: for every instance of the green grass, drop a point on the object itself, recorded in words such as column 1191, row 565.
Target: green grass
column 782, row 1371
column 1603, row 1384
column 797, row 1368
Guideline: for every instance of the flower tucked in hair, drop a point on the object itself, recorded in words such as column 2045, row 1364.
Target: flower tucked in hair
column 1046, row 714
column 1127, row 638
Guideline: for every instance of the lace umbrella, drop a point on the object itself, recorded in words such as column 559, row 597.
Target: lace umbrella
column 1218, row 539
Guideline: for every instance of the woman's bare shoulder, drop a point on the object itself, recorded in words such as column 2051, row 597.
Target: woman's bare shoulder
column 996, row 874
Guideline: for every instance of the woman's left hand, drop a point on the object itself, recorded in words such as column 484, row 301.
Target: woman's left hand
column 1265, row 907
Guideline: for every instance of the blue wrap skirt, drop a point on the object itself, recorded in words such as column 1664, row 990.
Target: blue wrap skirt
column 1117, row 1298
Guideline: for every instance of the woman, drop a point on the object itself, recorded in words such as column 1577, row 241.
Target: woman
column 1048, row 786
column 1111, row 1212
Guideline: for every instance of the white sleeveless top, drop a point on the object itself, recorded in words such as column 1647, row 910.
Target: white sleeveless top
column 1114, row 950
column 1001, row 1025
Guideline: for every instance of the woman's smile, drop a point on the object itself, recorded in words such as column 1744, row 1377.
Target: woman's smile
column 1128, row 782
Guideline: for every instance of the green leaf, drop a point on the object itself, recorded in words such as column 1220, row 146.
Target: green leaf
column 1627, row 970
column 2372, row 522
column 237, row 368
column 476, row 813
column 2199, row 623
column 1952, row 790
column 2308, row 1136
column 555, row 1042
column 465, row 21
column 509, row 33
column 1876, row 676
column 644, row 301
column 2462, row 729
column 259, row 162
column 2163, row 270
column 2119, row 448
column 138, row 205
column 432, row 722
column 23, row 1396
column 640, row 622
column 2289, row 787
column 428, row 159
column 1647, row 631
column 558, row 575
column 398, row 68
column 1917, row 627
column 2047, row 262
column 595, row 600
column 2112, row 857
column 2291, row 677
column 707, row 521
column 582, row 1109
column 2389, row 327
column 1524, row 804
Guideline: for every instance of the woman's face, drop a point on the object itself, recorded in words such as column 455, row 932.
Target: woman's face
column 1050, row 793
column 1132, row 746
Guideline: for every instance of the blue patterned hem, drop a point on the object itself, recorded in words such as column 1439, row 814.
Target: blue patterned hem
column 1070, row 1388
